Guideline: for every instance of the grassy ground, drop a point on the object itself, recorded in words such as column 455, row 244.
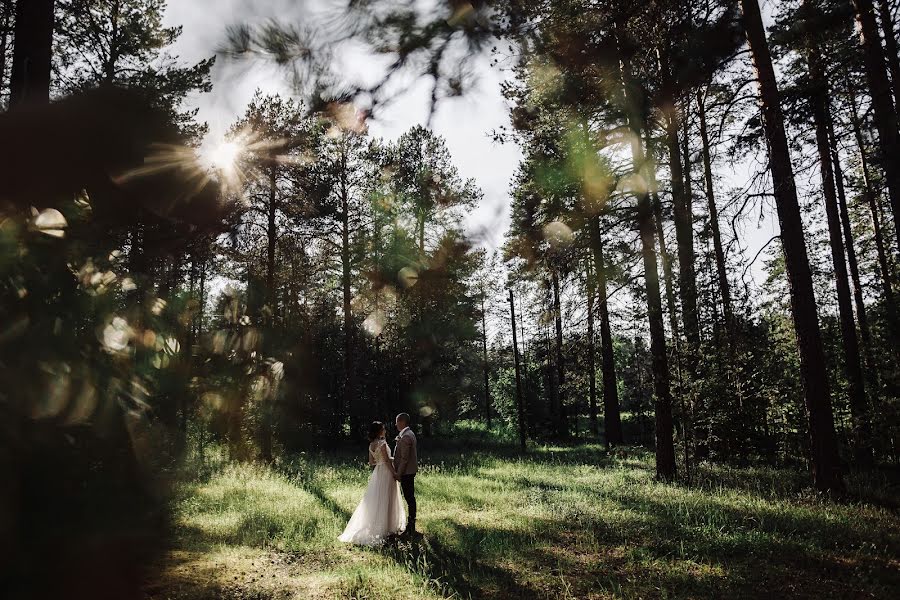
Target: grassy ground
column 558, row 523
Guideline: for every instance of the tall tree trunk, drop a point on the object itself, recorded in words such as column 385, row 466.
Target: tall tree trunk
column 552, row 373
column 684, row 232
column 721, row 271
column 663, row 252
column 592, row 367
column 561, row 417
column 484, row 358
column 524, row 352
column 526, row 405
column 32, row 55
column 519, row 406
column 112, row 57
column 823, row 441
column 852, row 366
column 612, row 419
column 862, row 318
column 271, row 241
column 881, row 250
column 665, row 443
column 349, row 376
column 689, row 406
column 880, row 92
column 890, row 47
column 198, row 333
column 702, row 430
column 684, row 235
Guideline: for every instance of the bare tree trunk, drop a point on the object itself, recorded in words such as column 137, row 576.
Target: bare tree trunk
column 592, row 367
column 519, row 406
column 112, row 56
column 663, row 253
column 487, row 388
column 823, row 441
column 264, row 433
column 880, row 92
column 859, row 301
column 524, row 353
column 552, row 373
column 665, row 446
column 665, row 443
column 349, row 375
column 32, row 55
column 684, row 236
column 702, row 432
column 890, row 47
column 271, row 241
column 199, row 334
column 721, row 270
column 562, row 417
column 852, row 366
column 872, row 201
column 612, row 419
column 688, row 406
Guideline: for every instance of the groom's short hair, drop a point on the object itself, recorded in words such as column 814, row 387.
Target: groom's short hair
column 404, row 417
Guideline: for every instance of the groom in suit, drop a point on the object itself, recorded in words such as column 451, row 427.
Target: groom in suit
column 405, row 463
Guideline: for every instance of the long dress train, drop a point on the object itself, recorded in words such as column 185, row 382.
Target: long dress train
column 380, row 512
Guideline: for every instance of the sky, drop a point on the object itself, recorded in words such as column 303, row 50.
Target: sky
column 465, row 122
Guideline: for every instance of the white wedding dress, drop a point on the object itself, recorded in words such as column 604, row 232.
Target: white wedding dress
column 380, row 513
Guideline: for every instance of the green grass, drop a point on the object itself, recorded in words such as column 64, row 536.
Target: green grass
column 558, row 523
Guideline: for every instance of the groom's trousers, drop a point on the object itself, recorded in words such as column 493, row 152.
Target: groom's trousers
column 408, row 487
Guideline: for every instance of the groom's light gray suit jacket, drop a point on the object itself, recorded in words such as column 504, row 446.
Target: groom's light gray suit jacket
column 405, row 458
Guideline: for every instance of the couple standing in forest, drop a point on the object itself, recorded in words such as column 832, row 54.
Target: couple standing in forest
column 380, row 513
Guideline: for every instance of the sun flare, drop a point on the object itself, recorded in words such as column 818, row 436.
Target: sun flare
column 223, row 156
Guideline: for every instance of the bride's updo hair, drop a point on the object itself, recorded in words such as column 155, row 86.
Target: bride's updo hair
column 375, row 430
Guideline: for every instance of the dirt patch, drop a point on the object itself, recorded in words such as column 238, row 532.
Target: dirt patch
column 237, row 574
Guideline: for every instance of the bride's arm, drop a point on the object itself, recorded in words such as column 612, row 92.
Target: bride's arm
column 387, row 458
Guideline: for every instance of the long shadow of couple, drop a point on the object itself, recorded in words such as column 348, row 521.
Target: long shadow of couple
column 446, row 571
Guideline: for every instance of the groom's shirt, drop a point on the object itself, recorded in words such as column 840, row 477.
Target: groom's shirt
column 405, row 458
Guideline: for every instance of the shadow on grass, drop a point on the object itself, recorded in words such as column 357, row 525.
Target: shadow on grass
column 447, row 571
column 878, row 487
column 648, row 544
column 319, row 494
column 765, row 545
column 451, row 572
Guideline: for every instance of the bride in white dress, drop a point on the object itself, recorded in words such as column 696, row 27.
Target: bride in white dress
column 380, row 513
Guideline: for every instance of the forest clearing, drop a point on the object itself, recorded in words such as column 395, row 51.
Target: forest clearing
column 559, row 522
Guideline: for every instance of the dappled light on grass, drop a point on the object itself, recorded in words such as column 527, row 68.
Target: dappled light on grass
column 558, row 522
column 252, row 528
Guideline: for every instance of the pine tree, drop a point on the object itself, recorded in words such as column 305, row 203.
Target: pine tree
column 826, row 465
